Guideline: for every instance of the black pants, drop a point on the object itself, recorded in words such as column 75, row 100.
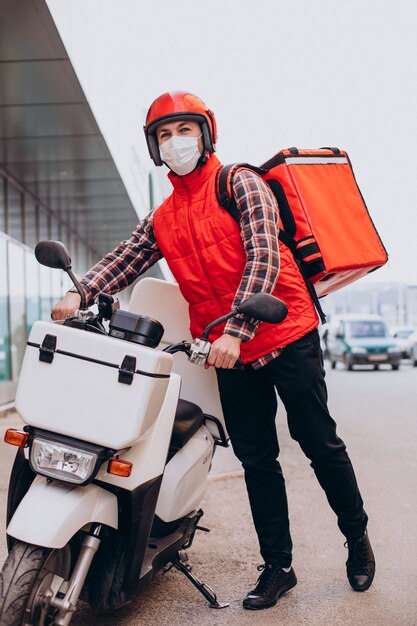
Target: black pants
column 249, row 404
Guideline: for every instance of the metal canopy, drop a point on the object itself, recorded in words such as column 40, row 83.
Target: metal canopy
column 49, row 139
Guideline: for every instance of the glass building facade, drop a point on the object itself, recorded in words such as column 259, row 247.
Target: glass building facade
column 27, row 289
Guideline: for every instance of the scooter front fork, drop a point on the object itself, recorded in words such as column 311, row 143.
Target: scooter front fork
column 66, row 602
column 180, row 563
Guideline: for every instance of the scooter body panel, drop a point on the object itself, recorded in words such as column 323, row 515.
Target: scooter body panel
column 164, row 302
column 51, row 512
column 148, row 455
column 185, row 477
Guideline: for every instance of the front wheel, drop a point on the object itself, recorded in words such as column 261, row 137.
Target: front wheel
column 29, row 576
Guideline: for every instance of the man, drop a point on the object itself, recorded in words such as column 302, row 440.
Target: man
column 218, row 263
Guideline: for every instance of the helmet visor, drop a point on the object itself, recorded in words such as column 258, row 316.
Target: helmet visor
column 174, row 117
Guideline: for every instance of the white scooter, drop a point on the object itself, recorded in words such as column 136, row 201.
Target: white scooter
column 112, row 465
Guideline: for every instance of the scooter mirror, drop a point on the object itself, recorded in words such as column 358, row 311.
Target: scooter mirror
column 264, row 307
column 53, row 254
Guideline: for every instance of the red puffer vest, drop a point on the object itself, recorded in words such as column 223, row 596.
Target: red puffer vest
column 202, row 245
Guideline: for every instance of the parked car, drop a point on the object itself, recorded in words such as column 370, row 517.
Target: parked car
column 357, row 339
column 405, row 337
column 412, row 342
column 4, row 369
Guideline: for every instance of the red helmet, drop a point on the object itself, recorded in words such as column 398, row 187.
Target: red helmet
column 175, row 105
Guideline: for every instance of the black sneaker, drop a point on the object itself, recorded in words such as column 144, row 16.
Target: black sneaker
column 360, row 565
column 271, row 584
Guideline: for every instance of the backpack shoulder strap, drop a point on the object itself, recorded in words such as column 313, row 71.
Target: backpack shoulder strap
column 224, row 186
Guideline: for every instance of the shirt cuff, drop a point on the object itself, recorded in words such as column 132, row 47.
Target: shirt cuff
column 88, row 294
column 241, row 328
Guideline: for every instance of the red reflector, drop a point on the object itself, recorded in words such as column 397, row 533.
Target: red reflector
column 16, row 437
column 117, row 467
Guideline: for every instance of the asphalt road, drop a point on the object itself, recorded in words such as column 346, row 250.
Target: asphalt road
column 377, row 417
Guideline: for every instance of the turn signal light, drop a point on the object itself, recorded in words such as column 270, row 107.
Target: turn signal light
column 16, row 437
column 117, row 467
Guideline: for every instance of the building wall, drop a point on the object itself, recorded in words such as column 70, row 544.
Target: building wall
column 119, row 107
column 100, row 71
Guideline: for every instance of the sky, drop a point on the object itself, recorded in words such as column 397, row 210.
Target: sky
column 306, row 73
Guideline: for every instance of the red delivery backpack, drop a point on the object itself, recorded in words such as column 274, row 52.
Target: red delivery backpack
column 323, row 216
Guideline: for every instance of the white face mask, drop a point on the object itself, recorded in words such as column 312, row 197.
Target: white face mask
column 181, row 154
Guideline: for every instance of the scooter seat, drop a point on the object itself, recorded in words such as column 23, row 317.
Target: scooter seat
column 188, row 419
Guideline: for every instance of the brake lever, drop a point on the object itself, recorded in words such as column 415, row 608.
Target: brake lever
column 182, row 346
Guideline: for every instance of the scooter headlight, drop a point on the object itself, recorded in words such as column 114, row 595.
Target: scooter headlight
column 60, row 461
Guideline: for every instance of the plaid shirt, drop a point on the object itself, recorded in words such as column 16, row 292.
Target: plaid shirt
column 259, row 231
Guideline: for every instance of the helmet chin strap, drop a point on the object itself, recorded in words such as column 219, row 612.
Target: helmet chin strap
column 203, row 159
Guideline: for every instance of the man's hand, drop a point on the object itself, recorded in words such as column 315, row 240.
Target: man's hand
column 224, row 352
column 67, row 306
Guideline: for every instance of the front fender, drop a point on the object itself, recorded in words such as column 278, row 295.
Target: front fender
column 51, row 513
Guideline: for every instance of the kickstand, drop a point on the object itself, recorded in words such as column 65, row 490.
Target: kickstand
column 207, row 592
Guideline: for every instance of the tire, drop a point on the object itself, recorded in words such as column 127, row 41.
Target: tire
column 376, row 367
column 24, row 578
column 333, row 364
column 348, row 363
column 395, row 366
